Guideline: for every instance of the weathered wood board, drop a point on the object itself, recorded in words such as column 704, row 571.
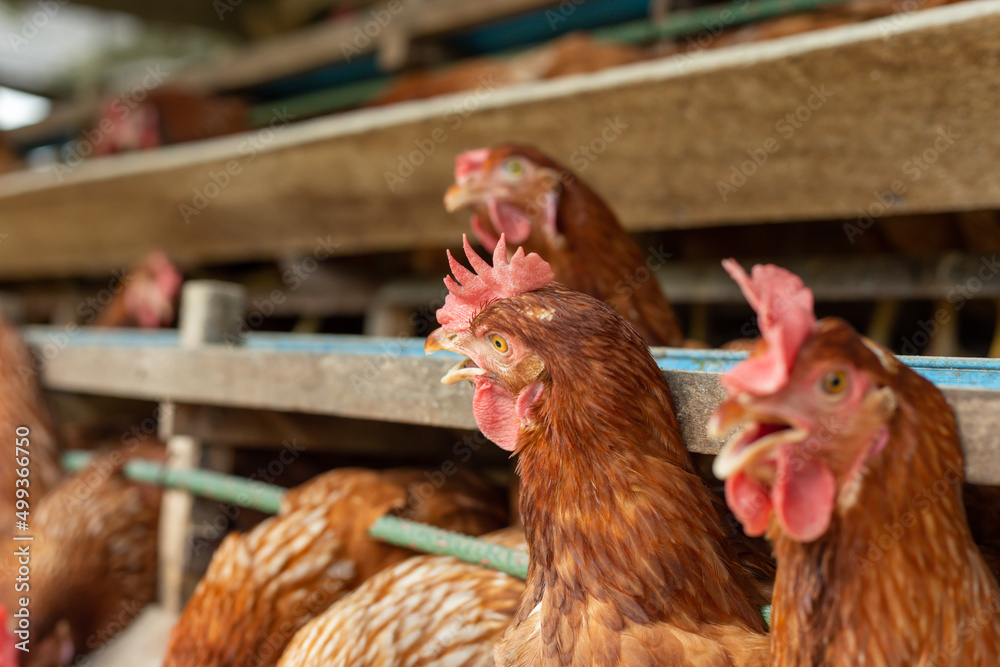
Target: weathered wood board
column 395, row 385
column 908, row 100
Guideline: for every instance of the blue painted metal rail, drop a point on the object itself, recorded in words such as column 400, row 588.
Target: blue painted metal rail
column 965, row 372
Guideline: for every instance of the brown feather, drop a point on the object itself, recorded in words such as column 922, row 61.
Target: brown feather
column 263, row 586
column 427, row 611
column 896, row 578
column 93, row 556
column 22, row 405
column 630, row 560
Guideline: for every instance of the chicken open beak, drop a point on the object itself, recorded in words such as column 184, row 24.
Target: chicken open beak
column 442, row 339
column 459, row 196
column 755, row 443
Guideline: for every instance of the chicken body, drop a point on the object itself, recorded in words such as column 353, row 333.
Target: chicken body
column 93, row 559
column 24, row 416
column 518, row 191
column 630, row 562
column 427, row 611
column 166, row 115
column 263, row 586
column 851, row 463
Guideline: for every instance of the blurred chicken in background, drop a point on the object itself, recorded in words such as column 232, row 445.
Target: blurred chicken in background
column 25, row 418
column 166, row 116
column 93, row 559
column 518, row 191
column 149, row 299
column 262, row 586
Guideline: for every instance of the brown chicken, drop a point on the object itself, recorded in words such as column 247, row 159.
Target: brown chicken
column 25, row 418
column 149, row 298
column 164, row 116
column 851, row 463
column 92, row 559
column 519, row 192
column 427, row 611
column 630, row 559
column 263, row 586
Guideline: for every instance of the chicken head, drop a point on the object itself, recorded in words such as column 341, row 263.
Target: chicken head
column 813, row 410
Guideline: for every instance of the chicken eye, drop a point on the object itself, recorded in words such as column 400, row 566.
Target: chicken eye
column 513, row 168
column 834, row 383
column 499, row 343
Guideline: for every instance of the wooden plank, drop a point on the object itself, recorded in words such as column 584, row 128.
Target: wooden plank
column 268, row 429
column 849, row 278
column 398, row 385
column 339, row 40
column 852, row 278
column 682, row 124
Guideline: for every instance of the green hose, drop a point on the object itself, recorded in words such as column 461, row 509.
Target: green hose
column 213, row 485
column 267, row 498
column 421, row 537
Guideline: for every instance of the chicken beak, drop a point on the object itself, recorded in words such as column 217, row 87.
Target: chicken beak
column 755, row 442
column 462, row 371
column 459, row 196
column 442, row 339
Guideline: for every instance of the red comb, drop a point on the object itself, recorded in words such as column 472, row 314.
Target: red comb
column 167, row 277
column 485, row 283
column 784, row 308
column 469, row 162
column 8, row 649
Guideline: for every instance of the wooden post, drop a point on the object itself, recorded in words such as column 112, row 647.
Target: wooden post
column 210, row 314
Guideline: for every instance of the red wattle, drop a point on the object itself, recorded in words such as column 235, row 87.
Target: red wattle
column 804, row 494
column 750, row 502
column 495, row 414
column 511, row 221
column 485, row 233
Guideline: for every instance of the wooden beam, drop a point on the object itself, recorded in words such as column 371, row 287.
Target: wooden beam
column 852, row 278
column 344, row 39
column 893, row 89
column 269, row 429
column 390, row 380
